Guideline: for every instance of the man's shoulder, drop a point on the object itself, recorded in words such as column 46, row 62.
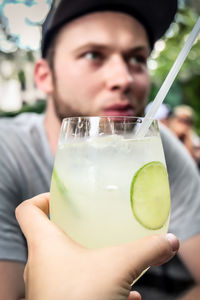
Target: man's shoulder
column 168, row 136
column 20, row 132
column 20, row 125
column 180, row 164
column 21, row 121
column 173, row 147
column 184, row 186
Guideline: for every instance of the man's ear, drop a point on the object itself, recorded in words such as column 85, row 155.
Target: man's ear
column 43, row 76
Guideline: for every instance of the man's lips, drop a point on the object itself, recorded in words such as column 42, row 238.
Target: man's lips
column 119, row 110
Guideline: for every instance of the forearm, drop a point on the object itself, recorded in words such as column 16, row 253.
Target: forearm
column 192, row 294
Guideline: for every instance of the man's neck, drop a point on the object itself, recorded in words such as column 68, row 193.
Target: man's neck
column 52, row 126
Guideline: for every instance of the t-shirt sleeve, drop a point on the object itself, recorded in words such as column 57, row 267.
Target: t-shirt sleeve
column 12, row 241
column 184, row 181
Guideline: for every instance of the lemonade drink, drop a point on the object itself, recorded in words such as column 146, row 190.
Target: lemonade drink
column 103, row 189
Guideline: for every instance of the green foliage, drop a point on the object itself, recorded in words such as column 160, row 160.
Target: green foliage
column 38, row 107
column 186, row 88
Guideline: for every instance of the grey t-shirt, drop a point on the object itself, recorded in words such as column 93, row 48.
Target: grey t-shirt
column 26, row 164
column 25, row 171
column 184, row 181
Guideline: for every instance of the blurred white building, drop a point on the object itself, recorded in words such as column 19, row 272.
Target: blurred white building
column 20, row 33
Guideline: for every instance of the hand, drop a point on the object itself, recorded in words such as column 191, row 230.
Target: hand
column 59, row 268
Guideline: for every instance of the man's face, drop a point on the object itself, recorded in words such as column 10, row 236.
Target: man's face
column 100, row 66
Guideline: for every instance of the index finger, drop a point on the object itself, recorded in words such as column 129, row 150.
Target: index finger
column 32, row 214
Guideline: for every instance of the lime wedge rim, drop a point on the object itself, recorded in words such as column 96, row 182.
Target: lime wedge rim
column 150, row 195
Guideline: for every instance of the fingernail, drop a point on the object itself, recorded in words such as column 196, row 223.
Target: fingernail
column 173, row 241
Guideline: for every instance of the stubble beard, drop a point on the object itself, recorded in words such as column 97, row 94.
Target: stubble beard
column 63, row 110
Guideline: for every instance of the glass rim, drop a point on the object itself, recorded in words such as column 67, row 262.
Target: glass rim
column 138, row 120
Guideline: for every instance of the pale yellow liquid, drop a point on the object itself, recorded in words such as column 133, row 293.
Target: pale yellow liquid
column 91, row 199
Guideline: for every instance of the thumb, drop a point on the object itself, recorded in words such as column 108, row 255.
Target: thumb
column 150, row 251
column 134, row 296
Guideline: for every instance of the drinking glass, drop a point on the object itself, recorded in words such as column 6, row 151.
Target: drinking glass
column 109, row 187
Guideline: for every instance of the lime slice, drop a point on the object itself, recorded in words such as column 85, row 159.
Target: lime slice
column 150, row 195
column 60, row 185
column 59, row 190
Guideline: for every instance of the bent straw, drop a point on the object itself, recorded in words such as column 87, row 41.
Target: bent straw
column 168, row 81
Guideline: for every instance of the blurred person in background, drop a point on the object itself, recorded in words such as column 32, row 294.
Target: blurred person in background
column 181, row 123
column 94, row 62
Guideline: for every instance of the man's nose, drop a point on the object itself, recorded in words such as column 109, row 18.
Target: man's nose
column 118, row 76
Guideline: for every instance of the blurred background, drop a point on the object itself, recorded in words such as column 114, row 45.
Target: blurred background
column 20, row 33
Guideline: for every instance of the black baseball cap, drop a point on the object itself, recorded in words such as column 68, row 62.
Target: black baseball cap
column 155, row 15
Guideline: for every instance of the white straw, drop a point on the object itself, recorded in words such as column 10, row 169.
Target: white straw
column 168, row 81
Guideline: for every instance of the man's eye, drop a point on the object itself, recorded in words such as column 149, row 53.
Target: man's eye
column 138, row 60
column 93, row 56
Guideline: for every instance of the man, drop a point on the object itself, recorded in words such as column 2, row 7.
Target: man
column 94, row 62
